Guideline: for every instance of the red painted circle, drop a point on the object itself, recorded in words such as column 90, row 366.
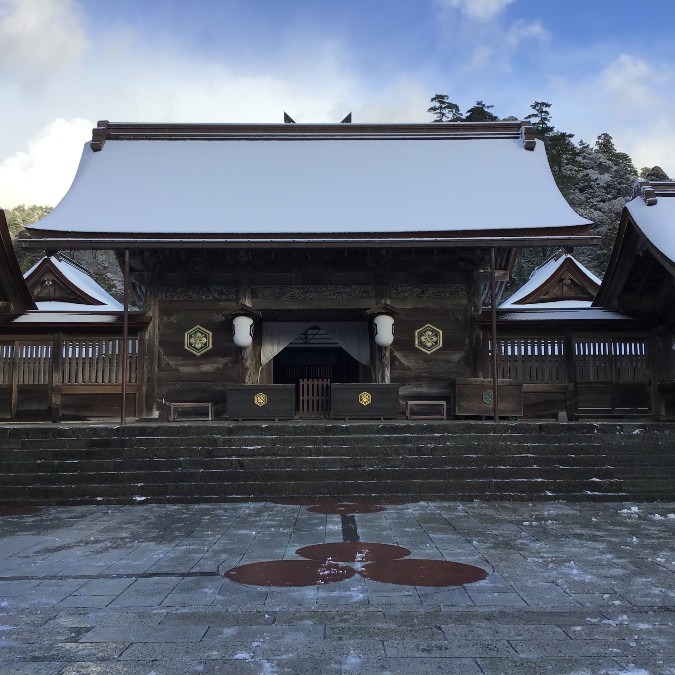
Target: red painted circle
column 346, row 508
column 353, row 551
column 289, row 573
column 412, row 572
column 12, row 510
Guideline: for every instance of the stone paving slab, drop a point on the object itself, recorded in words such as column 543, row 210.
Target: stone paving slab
column 572, row 589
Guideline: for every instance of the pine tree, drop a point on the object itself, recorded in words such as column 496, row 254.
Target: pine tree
column 541, row 118
column 655, row 173
column 480, row 112
column 444, row 110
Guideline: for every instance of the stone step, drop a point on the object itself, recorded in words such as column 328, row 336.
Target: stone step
column 342, row 489
column 383, row 474
column 224, row 461
column 196, row 462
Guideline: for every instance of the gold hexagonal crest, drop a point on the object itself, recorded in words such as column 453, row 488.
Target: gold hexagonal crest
column 428, row 338
column 260, row 399
column 365, row 398
column 198, row 340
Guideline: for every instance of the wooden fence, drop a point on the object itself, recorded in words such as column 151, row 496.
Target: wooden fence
column 42, row 371
column 609, row 375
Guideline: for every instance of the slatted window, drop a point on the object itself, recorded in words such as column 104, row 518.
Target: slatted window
column 97, row 361
column 620, row 360
column 31, row 359
column 532, row 359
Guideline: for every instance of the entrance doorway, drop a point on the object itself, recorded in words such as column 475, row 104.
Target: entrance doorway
column 311, row 362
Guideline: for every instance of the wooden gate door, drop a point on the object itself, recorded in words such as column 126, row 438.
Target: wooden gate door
column 314, row 397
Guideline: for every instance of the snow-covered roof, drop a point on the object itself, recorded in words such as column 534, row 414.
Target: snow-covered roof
column 77, row 314
column 312, row 180
column 542, row 276
column 562, row 314
column 656, row 222
column 102, row 301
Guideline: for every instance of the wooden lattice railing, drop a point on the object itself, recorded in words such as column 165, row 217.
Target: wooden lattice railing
column 97, row 361
column 616, row 360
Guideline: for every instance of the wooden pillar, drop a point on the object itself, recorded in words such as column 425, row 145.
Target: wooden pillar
column 15, row 380
column 151, row 356
column 381, row 364
column 493, row 337
column 571, row 368
column 55, row 377
column 247, row 370
column 125, row 340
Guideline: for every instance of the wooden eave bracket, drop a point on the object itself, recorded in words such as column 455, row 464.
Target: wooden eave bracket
column 243, row 310
column 527, row 136
column 648, row 194
column 384, row 308
column 99, row 135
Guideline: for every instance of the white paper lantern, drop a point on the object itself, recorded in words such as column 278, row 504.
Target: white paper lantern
column 384, row 330
column 242, row 329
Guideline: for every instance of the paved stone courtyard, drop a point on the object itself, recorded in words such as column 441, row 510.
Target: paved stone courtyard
column 571, row 588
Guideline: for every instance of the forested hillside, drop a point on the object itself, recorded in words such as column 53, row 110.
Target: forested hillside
column 597, row 180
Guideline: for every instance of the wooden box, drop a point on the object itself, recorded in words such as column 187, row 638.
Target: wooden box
column 364, row 401
column 474, row 397
column 260, row 401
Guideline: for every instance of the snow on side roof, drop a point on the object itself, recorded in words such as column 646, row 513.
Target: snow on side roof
column 657, row 223
column 560, row 314
column 540, row 276
column 293, row 186
column 82, row 281
column 63, row 317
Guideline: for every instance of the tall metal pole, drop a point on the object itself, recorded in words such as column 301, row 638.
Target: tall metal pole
column 125, row 339
column 493, row 336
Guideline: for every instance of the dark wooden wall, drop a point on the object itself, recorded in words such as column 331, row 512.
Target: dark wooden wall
column 425, row 287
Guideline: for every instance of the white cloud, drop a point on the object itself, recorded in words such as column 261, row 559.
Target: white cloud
column 39, row 37
column 630, row 98
column 481, row 10
column 43, row 172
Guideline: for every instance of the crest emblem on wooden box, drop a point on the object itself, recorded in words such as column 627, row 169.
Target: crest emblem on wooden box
column 198, row 340
column 365, row 398
column 260, row 399
column 428, row 338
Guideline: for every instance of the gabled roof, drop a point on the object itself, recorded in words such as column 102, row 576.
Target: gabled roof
column 58, row 283
column 15, row 297
column 302, row 183
column 561, row 282
column 641, row 272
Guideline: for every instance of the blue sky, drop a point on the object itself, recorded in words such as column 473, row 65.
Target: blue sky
column 605, row 65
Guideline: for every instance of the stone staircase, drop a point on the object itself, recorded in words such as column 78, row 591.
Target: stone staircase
column 318, row 460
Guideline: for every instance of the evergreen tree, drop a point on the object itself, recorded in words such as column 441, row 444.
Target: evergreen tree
column 480, row 112
column 541, row 118
column 605, row 145
column 655, row 173
column 444, row 110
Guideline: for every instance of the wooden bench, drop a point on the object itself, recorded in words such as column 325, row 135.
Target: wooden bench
column 440, row 415
column 205, row 408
